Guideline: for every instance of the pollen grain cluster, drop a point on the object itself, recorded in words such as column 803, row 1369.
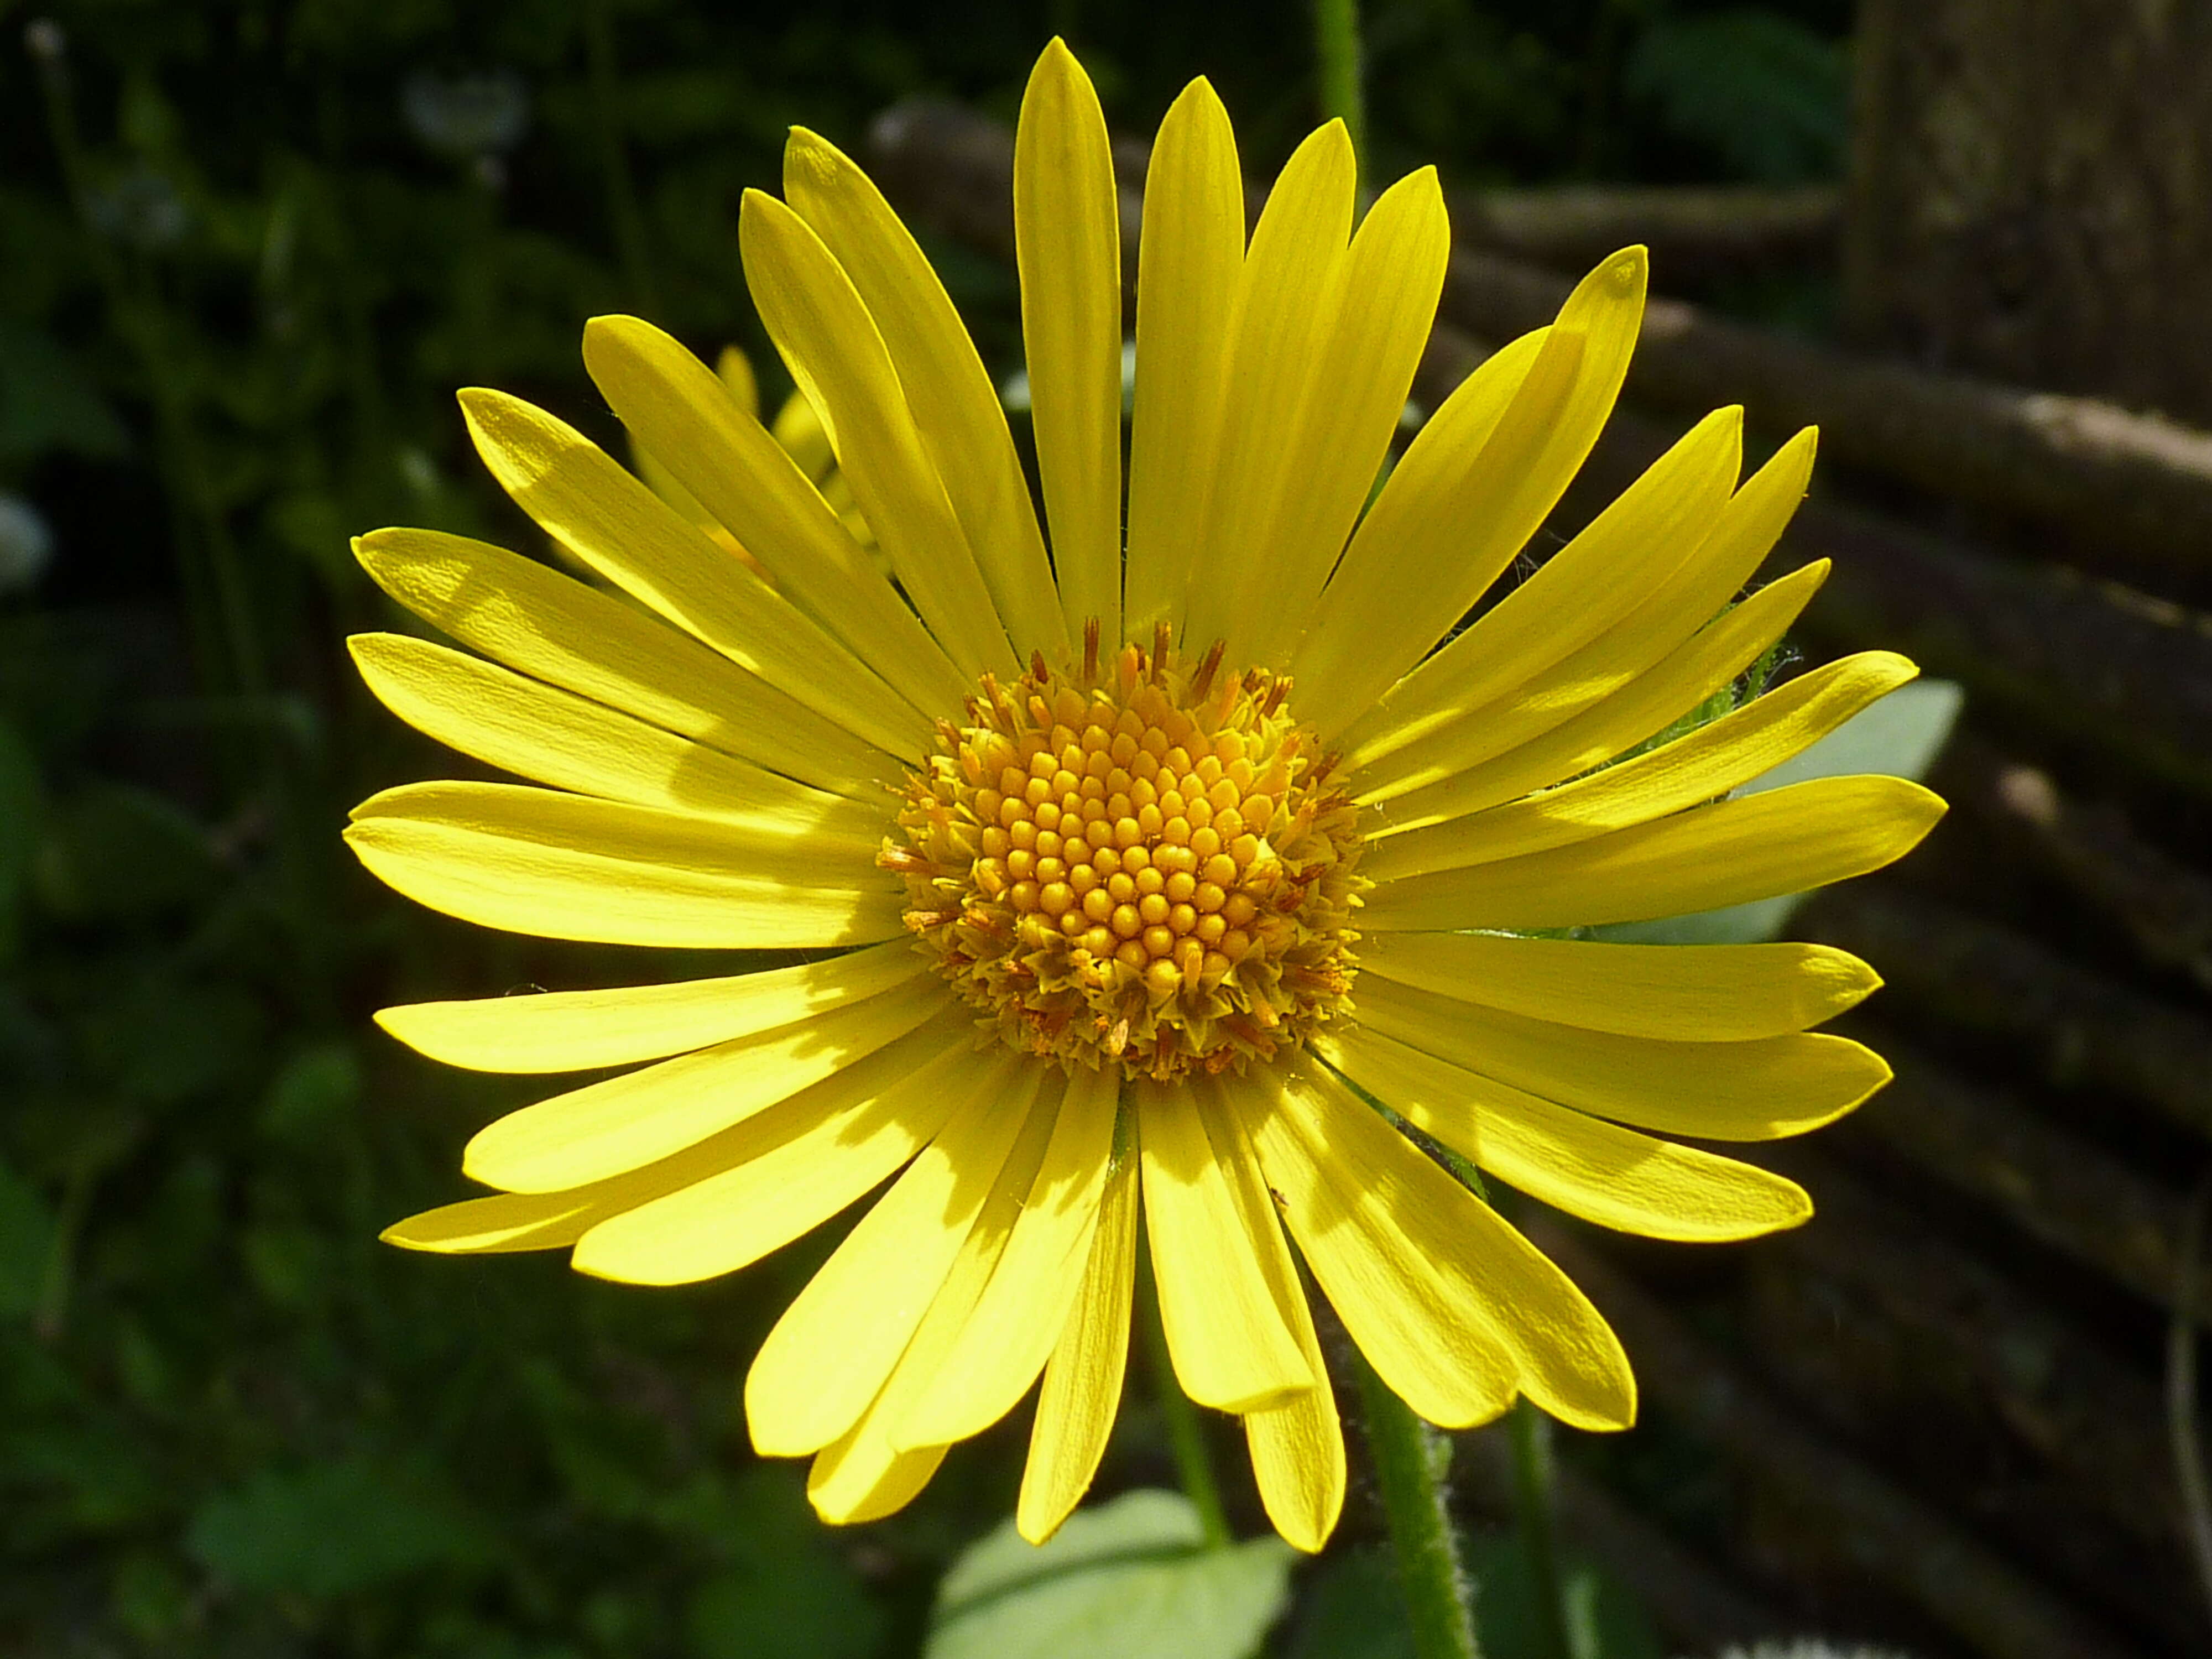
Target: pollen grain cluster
column 1141, row 864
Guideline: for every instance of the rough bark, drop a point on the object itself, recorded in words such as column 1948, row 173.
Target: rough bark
column 2031, row 192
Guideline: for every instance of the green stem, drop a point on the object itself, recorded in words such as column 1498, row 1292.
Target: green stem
column 1336, row 43
column 1532, row 1501
column 1411, row 1459
column 614, row 159
column 1186, row 1433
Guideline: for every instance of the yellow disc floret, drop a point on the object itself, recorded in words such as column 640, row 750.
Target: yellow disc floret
column 1143, row 866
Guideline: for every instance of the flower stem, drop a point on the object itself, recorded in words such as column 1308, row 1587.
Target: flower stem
column 614, row 159
column 1532, row 1503
column 1186, row 1434
column 1410, row 1462
column 1336, row 43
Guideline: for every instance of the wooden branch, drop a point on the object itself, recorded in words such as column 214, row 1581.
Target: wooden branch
column 1888, row 1534
column 2132, row 492
column 2054, row 1186
column 2075, row 1026
column 1695, row 232
column 2163, row 905
column 1693, row 1602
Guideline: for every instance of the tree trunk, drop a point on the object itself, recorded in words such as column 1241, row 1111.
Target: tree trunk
column 2031, row 193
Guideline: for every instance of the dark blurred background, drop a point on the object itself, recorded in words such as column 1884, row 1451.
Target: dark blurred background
column 248, row 251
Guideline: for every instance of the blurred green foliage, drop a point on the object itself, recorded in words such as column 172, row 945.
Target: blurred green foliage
column 248, row 248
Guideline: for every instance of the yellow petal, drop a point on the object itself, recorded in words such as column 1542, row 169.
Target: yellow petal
column 1231, row 1348
column 567, row 866
column 1780, row 840
column 861, row 1479
column 1363, row 369
column 1189, row 262
column 554, row 737
column 830, row 1354
column 1690, row 992
column 1082, row 1386
column 581, row 498
column 1759, row 1089
column 735, row 370
column 1364, row 1234
column 502, row 1222
column 1296, row 1446
column 1697, row 766
column 956, row 407
column 1589, row 1168
column 1433, row 1272
column 1067, row 243
column 837, row 354
column 1011, row 1333
column 1460, row 521
column 677, row 409
column 626, row 1121
column 1679, row 683
column 553, row 628
column 810, row 1156
column 1592, row 583
column 1286, row 303
column 1614, row 663
column 788, row 1136
column 582, row 1031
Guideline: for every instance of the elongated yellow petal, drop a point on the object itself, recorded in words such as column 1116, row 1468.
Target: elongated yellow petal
column 939, row 1341
column 582, row 1031
column 800, row 1138
column 1780, row 840
column 829, row 1355
column 500, row 1223
column 677, row 409
column 1011, row 1333
column 1589, row 1168
column 1476, row 1271
column 1677, row 684
column 1082, row 1389
column 627, row 1121
column 1231, row 1347
column 835, row 351
column 1617, row 660
column 816, row 1154
column 553, row 628
column 1758, row 1089
column 861, row 1479
column 568, row 867
column 1457, row 527
column 1363, row 369
column 1690, row 993
column 554, row 737
column 1364, row 1230
column 581, row 498
column 1298, row 1446
column 1697, row 766
column 1067, row 243
column 956, row 407
column 1286, row 302
column 1188, row 265
column 1592, row 583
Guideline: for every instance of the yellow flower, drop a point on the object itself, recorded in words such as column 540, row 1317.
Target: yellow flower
column 1147, row 864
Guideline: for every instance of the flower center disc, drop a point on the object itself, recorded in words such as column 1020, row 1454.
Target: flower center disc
column 1141, row 866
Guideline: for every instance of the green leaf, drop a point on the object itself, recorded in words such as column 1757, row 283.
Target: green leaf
column 114, row 851
column 1764, row 92
column 1900, row 735
column 315, row 1090
column 21, row 804
column 328, row 1529
column 48, row 403
column 1131, row 1577
column 1355, row 1610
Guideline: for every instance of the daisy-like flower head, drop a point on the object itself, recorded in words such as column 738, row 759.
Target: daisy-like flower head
column 1132, row 873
